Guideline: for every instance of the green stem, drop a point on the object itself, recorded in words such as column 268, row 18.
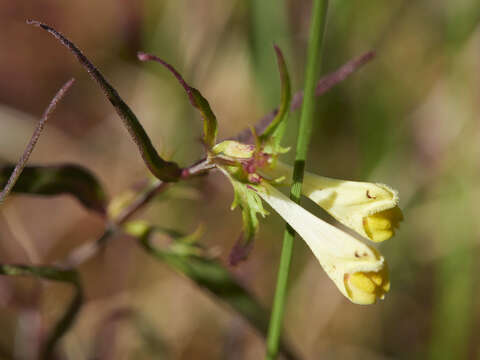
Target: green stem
column 317, row 31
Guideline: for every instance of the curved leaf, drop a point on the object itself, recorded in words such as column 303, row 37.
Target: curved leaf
column 54, row 274
column 164, row 170
column 59, row 179
column 277, row 126
column 210, row 126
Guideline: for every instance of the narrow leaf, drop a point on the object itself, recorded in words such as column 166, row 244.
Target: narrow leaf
column 206, row 272
column 284, row 103
column 324, row 84
column 15, row 172
column 54, row 274
column 164, row 170
column 54, row 180
column 210, row 126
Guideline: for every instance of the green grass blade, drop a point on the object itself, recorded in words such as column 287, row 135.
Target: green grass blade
column 317, row 31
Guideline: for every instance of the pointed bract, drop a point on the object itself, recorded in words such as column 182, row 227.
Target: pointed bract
column 247, row 199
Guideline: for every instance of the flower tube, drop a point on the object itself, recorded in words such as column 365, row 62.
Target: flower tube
column 358, row 270
column 371, row 209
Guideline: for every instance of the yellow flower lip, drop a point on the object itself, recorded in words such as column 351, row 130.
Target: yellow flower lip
column 357, row 269
column 381, row 226
column 370, row 209
column 367, row 287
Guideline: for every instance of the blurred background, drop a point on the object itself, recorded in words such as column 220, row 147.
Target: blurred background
column 409, row 118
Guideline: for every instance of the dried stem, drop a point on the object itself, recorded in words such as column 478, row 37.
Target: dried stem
column 33, row 141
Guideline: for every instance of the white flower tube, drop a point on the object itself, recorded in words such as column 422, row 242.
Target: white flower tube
column 371, row 209
column 358, row 270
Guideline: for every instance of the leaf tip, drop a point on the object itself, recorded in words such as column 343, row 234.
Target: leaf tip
column 277, row 49
column 37, row 24
column 143, row 56
column 370, row 55
column 240, row 251
column 279, row 53
column 33, row 22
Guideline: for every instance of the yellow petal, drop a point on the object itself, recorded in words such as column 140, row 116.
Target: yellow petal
column 381, row 226
column 367, row 286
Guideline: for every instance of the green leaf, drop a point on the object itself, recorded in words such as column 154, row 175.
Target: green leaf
column 206, row 272
column 54, row 274
column 274, row 131
column 59, row 179
column 210, row 126
column 164, row 170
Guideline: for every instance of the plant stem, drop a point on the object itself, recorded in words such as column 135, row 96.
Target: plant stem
column 317, row 31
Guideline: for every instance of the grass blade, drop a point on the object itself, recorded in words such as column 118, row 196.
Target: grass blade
column 314, row 58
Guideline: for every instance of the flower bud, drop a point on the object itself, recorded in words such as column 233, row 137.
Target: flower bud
column 231, row 149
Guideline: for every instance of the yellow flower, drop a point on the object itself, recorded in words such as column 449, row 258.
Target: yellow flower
column 371, row 209
column 358, row 270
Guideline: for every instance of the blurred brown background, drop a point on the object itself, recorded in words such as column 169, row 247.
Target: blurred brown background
column 408, row 119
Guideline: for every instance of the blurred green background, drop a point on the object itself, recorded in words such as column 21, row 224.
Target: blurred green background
column 410, row 119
